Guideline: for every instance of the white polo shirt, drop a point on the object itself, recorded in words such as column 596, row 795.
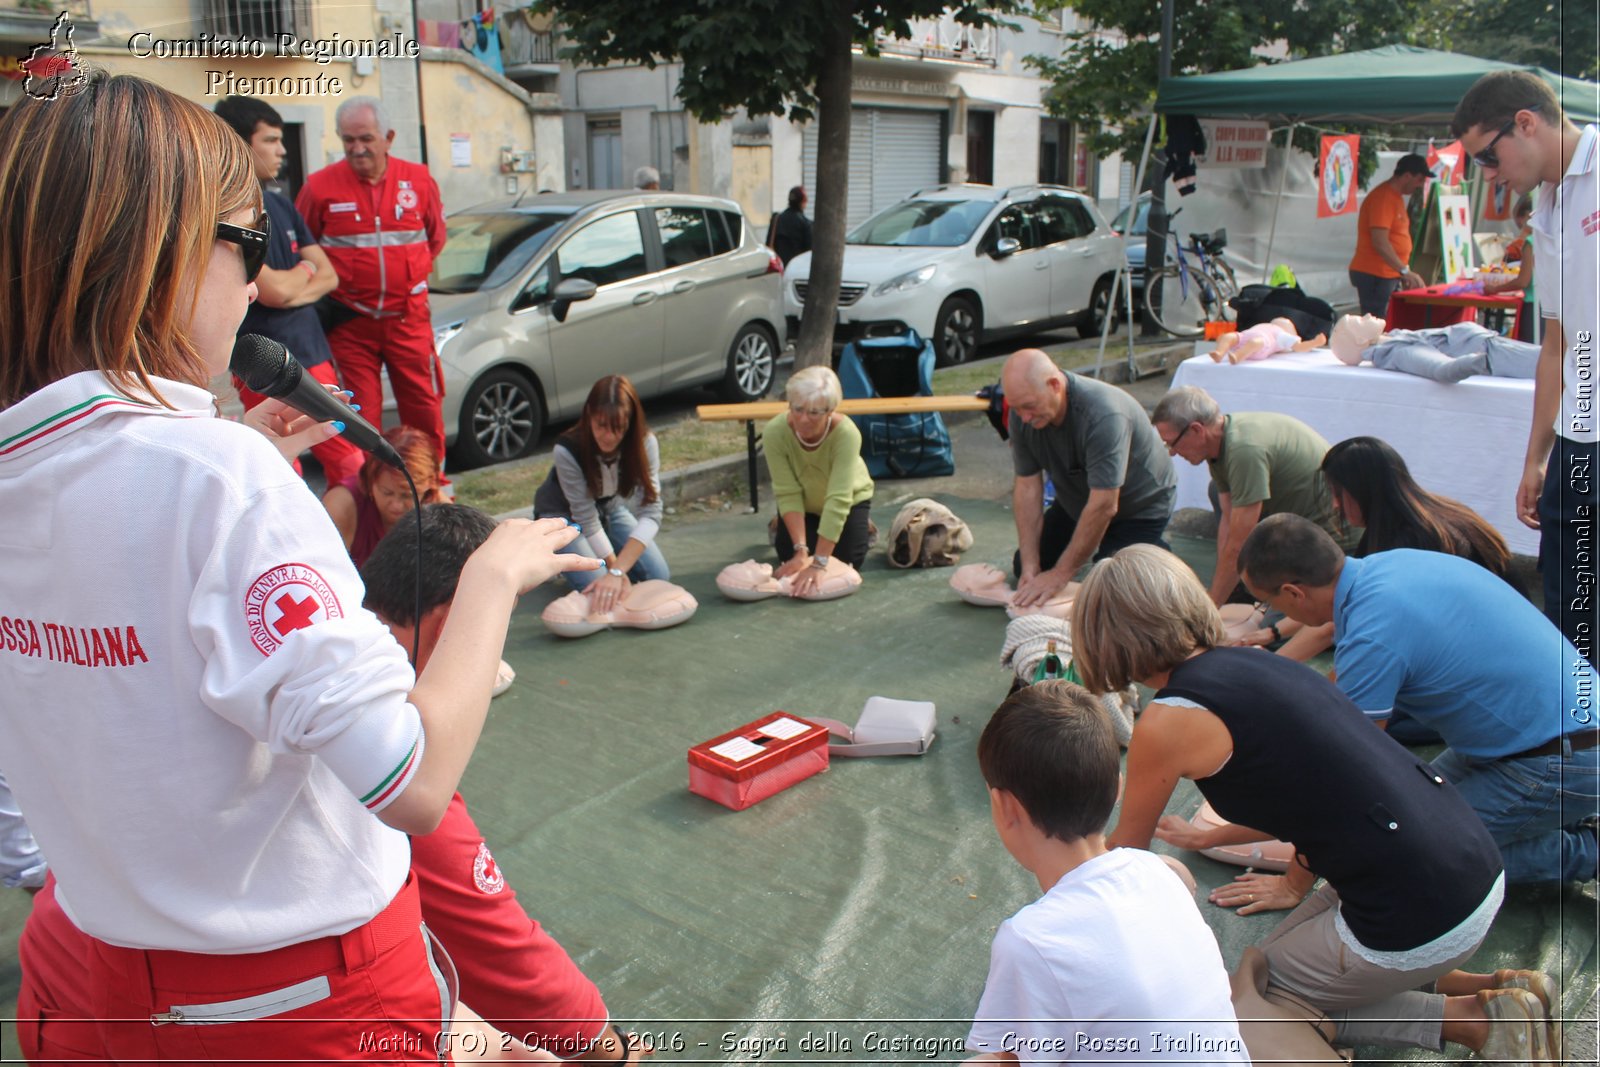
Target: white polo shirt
column 197, row 713
column 1566, row 229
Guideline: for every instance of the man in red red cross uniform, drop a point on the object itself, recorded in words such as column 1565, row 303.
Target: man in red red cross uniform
column 381, row 222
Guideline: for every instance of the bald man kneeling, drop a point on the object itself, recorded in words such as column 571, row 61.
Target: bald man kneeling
column 1113, row 476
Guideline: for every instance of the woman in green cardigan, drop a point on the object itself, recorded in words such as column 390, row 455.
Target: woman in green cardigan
column 824, row 491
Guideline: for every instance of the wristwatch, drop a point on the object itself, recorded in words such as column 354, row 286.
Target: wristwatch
column 820, row 562
column 615, row 572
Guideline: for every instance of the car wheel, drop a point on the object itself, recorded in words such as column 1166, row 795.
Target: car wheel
column 502, row 419
column 1099, row 303
column 752, row 359
column 955, row 331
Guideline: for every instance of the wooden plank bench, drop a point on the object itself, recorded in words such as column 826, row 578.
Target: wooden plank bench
column 882, row 405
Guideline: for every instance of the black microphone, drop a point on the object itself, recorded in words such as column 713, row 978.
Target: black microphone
column 266, row 367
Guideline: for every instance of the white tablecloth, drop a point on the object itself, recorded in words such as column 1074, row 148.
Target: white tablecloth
column 1464, row 440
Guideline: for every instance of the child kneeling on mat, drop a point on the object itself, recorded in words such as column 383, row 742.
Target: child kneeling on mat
column 1116, row 945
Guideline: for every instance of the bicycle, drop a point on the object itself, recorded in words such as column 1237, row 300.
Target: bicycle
column 1199, row 291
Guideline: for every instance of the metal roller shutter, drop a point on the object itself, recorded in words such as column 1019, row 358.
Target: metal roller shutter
column 892, row 154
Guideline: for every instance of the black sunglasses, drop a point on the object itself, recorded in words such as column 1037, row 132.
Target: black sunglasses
column 1172, row 445
column 1485, row 156
column 252, row 241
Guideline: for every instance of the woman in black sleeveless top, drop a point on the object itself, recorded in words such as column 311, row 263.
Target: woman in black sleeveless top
column 1413, row 878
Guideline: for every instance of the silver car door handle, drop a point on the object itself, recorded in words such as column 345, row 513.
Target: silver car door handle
column 1043, row 264
column 1085, row 251
column 643, row 298
column 683, row 287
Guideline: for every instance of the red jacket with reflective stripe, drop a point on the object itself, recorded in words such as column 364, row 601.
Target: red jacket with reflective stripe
column 383, row 256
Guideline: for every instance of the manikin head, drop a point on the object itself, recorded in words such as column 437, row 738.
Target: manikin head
column 1353, row 335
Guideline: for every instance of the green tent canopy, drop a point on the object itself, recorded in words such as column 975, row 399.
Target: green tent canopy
column 1393, row 84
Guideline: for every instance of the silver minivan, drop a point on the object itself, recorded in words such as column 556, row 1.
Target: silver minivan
column 535, row 298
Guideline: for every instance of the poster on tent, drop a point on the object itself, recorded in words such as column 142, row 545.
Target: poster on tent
column 1497, row 204
column 1455, row 231
column 1449, row 164
column 1336, row 169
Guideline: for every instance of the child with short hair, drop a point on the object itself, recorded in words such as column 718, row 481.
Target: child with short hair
column 1114, row 962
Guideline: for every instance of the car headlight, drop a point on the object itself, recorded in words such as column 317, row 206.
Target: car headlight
column 442, row 334
column 910, row 280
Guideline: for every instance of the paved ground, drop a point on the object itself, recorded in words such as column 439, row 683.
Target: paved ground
column 857, row 906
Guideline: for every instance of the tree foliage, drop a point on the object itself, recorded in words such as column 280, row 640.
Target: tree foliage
column 1558, row 35
column 1107, row 86
column 768, row 57
column 760, row 55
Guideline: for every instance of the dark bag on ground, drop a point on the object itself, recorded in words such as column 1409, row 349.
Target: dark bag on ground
column 914, row 445
column 1256, row 304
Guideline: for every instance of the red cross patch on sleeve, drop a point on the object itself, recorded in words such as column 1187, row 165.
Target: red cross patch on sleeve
column 287, row 598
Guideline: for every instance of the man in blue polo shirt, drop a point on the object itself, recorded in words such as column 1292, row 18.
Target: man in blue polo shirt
column 297, row 273
column 1458, row 649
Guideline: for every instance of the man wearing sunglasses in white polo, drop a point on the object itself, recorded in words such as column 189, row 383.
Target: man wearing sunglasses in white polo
column 1515, row 129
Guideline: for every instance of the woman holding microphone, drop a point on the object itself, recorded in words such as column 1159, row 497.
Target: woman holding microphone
column 219, row 750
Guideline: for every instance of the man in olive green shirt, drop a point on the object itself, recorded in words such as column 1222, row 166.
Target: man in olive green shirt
column 1262, row 463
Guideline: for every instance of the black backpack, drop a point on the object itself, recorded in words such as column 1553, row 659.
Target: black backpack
column 1256, row 304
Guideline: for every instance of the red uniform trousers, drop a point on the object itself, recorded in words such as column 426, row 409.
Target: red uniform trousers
column 54, row 1020
column 339, row 458
column 512, row 972
column 404, row 347
column 374, row 994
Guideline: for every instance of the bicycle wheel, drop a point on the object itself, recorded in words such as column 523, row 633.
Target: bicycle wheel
column 1224, row 278
column 1185, row 304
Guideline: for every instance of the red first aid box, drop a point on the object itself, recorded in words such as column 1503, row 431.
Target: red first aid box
column 746, row 766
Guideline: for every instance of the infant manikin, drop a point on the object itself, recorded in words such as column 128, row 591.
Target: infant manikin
column 1263, row 341
column 1445, row 353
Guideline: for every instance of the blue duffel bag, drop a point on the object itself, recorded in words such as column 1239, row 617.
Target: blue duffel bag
column 915, row 445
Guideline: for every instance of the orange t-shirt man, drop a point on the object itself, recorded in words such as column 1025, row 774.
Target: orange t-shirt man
column 1384, row 209
column 1382, row 263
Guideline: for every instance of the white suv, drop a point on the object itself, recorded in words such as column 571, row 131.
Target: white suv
column 965, row 263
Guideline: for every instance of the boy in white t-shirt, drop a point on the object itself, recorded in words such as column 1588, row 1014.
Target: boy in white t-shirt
column 1114, row 962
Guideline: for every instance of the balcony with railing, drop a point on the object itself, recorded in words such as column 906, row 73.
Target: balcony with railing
column 944, row 40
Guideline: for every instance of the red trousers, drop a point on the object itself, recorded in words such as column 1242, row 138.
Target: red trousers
column 512, row 973
column 339, row 458
column 404, row 347
column 374, row 994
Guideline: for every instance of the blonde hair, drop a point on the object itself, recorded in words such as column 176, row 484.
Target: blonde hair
column 1140, row 613
column 109, row 201
column 814, row 383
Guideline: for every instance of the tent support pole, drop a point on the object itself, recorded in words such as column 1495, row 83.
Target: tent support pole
column 1283, row 174
column 1122, row 284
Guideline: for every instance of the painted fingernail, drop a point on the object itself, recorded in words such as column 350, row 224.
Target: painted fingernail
column 338, row 426
column 355, row 407
column 346, row 392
